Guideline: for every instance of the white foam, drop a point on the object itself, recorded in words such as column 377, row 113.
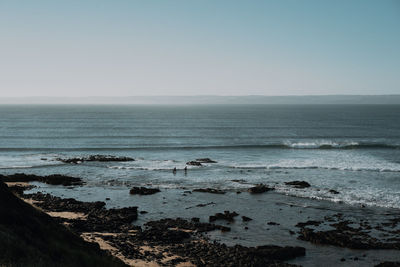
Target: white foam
column 332, row 160
column 16, row 167
column 319, row 144
column 26, row 161
column 354, row 196
column 152, row 165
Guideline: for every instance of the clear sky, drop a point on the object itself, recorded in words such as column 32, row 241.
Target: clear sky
column 188, row 47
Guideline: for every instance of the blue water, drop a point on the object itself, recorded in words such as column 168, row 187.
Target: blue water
column 354, row 149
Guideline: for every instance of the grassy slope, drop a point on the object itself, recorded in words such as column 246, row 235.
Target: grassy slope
column 29, row 237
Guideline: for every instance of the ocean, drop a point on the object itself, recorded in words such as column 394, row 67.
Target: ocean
column 353, row 149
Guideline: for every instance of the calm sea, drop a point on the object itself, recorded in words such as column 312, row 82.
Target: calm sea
column 354, row 149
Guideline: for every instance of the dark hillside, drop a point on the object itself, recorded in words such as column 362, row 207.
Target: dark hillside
column 29, row 237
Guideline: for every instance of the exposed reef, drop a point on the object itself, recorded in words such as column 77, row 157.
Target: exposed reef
column 99, row 158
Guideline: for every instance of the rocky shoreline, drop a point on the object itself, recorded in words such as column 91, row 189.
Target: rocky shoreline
column 173, row 241
column 177, row 238
column 29, row 237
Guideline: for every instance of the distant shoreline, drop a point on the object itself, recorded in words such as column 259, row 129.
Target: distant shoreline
column 209, row 100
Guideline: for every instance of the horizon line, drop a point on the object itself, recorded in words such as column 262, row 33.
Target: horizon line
column 205, row 95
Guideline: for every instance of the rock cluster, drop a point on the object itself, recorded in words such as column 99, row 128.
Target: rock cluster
column 143, row 191
column 100, row 158
column 55, row 179
column 194, row 163
column 206, row 160
column 260, row 188
column 198, row 162
column 171, row 237
column 298, row 184
column 194, row 225
column 345, row 235
column 209, row 190
column 98, row 218
column 227, row 216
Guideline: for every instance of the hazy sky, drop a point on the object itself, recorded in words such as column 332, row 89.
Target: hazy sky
column 188, row 47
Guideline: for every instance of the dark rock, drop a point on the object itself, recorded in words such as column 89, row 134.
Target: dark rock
column 279, row 253
column 344, row 236
column 298, row 184
column 307, row 223
column 100, row 158
column 223, row 228
column 143, row 191
column 209, row 190
column 206, row 160
column 388, row 264
column 163, row 235
column 98, row 218
column 103, row 220
column 55, row 179
column 212, row 218
column 228, row 216
column 52, row 203
column 246, row 219
column 333, row 192
column 258, row 189
column 182, row 224
column 273, row 223
column 194, row 163
column 19, row 189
